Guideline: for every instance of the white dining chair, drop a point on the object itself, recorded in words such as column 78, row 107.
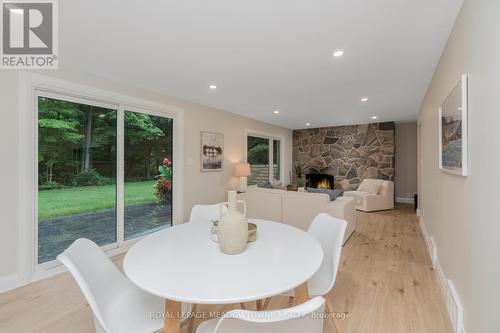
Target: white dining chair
column 303, row 318
column 118, row 305
column 329, row 232
column 207, row 213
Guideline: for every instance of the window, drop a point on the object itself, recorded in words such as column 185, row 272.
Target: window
column 264, row 157
column 104, row 173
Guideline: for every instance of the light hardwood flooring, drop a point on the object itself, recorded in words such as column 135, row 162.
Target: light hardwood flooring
column 385, row 282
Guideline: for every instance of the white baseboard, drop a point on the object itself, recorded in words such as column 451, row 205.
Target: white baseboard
column 10, row 282
column 452, row 300
column 405, row 200
column 427, row 239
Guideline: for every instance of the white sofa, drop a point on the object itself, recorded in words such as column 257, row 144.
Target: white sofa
column 297, row 208
column 373, row 195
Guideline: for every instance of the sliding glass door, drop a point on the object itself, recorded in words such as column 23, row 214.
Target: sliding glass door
column 264, row 157
column 104, row 173
column 148, row 178
column 76, row 175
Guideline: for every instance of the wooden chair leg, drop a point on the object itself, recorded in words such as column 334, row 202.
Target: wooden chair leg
column 191, row 319
column 329, row 307
column 266, row 303
column 301, row 294
column 243, row 306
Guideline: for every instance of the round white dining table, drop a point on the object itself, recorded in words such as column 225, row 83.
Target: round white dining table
column 183, row 265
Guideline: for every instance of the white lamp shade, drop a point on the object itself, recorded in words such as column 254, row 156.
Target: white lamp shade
column 242, row 170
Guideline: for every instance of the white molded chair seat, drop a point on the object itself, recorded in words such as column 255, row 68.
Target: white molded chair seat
column 303, row 318
column 329, row 232
column 117, row 304
column 206, row 213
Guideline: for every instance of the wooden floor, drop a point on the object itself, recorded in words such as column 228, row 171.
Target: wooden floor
column 385, row 283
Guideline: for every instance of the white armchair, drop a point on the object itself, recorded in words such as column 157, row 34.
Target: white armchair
column 373, row 195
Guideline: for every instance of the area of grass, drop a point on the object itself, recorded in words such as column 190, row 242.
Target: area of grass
column 76, row 200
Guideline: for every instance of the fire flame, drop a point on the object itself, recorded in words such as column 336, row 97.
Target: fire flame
column 324, row 184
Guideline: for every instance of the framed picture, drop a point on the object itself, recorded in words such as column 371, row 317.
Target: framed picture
column 453, row 130
column 212, row 151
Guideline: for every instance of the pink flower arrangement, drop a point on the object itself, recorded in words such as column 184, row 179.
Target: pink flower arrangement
column 164, row 181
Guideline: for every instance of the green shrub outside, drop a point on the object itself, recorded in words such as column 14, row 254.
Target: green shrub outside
column 91, row 178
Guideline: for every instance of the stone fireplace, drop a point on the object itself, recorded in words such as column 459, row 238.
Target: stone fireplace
column 347, row 153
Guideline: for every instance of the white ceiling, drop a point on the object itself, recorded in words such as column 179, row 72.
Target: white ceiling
column 265, row 55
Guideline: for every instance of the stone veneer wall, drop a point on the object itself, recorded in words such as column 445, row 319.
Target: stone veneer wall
column 349, row 153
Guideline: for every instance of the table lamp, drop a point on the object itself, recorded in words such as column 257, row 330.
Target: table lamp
column 242, row 170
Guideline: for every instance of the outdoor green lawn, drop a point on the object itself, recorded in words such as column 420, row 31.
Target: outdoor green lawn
column 76, row 200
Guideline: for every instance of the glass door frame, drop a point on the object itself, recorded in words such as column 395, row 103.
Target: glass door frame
column 31, row 87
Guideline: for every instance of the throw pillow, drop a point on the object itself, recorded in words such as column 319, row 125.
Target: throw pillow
column 332, row 193
column 264, row 184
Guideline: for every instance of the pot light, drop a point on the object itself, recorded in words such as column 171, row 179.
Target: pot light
column 364, row 99
column 276, row 111
column 212, row 86
column 338, row 53
column 374, row 117
column 308, row 124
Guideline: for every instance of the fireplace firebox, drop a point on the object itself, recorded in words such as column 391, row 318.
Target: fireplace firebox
column 320, row 180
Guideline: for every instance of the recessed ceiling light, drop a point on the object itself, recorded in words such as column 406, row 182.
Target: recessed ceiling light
column 308, row 124
column 276, row 111
column 212, row 86
column 338, row 53
column 364, row 99
column 374, row 117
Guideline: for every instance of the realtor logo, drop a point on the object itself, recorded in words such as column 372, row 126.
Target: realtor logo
column 29, row 34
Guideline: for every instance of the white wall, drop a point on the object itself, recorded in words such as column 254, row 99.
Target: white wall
column 405, row 181
column 8, row 173
column 207, row 187
column 461, row 213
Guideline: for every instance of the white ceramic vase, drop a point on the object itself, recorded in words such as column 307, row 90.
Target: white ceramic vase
column 232, row 231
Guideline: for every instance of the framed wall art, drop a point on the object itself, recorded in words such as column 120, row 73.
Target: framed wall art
column 453, row 130
column 212, row 151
